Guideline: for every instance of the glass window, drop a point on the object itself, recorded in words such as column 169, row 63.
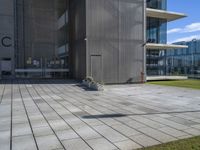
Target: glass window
column 157, row 4
column 156, row 30
column 42, row 46
column 198, row 47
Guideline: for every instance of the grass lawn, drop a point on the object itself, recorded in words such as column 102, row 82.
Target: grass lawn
column 187, row 144
column 194, row 84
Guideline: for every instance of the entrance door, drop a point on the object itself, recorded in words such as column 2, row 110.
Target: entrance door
column 96, row 67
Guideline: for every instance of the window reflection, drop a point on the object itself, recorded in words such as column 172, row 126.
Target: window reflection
column 157, row 4
column 42, row 49
column 184, row 61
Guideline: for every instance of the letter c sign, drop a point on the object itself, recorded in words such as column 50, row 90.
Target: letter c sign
column 6, row 41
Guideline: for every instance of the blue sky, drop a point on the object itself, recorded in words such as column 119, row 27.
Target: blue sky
column 187, row 28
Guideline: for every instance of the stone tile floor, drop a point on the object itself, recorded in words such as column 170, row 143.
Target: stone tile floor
column 60, row 114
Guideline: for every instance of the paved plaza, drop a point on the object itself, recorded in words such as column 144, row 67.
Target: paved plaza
column 61, row 114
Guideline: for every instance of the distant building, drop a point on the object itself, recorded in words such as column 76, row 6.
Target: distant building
column 184, row 61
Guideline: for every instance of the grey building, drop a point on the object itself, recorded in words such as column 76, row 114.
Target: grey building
column 7, row 37
column 108, row 40
column 105, row 39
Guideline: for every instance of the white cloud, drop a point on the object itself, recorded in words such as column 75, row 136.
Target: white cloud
column 175, row 30
column 189, row 38
column 193, row 27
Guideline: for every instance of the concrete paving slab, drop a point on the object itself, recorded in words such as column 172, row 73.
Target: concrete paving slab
column 67, row 134
column 21, row 129
column 76, row 144
column 87, row 133
column 194, row 132
column 58, row 125
column 24, row 143
column 145, row 140
column 48, row 142
column 101, row 144
column 127, row 145
column 173, row 132
column 5, row 140
column 110, row 133
column 42, row 131
column 125, row 130
column 160, row 136
column 59, row 114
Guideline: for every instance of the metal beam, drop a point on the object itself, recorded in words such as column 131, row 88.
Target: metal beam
column 162, row 14
column 163, row 46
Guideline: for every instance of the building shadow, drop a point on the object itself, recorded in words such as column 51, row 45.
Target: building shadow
column 104, row 116
column 119, row 115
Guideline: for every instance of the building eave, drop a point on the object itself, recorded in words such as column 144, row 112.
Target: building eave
column 163, row 46
column 162, row 14
column 163, row 78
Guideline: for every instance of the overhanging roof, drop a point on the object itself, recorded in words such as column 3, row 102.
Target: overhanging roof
column 162, row 14
column 163, row 46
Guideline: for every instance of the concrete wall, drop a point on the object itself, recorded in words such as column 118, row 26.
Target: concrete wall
column 7, row 30
column 77, row 29
column 115, row 37
column 106, row 36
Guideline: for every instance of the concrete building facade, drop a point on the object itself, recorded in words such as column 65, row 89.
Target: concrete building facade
column 104, row 39
column 108, row 39
column 6, row 37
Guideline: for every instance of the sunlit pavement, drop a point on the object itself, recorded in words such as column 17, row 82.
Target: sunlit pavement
column 61, row 114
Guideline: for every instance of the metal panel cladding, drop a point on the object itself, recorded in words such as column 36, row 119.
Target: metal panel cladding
column 77, row 38
column 6, row 33
column 115, row 33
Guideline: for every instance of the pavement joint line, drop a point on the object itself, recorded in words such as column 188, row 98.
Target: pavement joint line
column 62, row 90
column 150, row 126
column 44, row 116
column 104, row 124
column 71, row 139
column 21, row 135
column 117, row 130
column 11, row 121
column 62, row 119
column 138, row 102
column 134, row 128
column 2, row 91
column 65, row 121
column 28, row 118
column 107, row 102
column 86, row 124
column 169, row 127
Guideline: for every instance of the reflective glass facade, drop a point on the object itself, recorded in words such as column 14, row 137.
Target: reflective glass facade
column 156, row 30
column 42, row 39
column 156, row 33
column 157, row 4
column 184, row 61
